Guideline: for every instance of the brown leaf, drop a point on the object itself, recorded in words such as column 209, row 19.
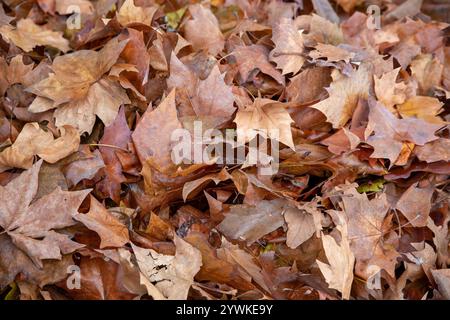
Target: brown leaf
column 288, row 50
column 300, row 227
column 111, row 231
column 249, row 58
column 434, row 151
column 266, row 117
column 172, row 275
column 152, row 136
column 249, row 223
column 415, row 204
column 388, row 91
column 344, row 95
column 390, row 132
column 331, row 53
column 339, row 272
column 31, row 227
column 27, row 35
column 32, row 141
column 129, row 14
column 203, row 31
column 193, row 186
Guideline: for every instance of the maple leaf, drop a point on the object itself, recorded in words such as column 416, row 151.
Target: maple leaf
column 30, row 227
column 27, row 35
column 288, row 50
column 391, row 132
column 78, row 89
column 349, row 5
column 344, row 93
column 172, row 275
column 33, row 140
column 203, row 30
column 422, row 107
column 111, row 231
column 266, row 117
column 339, row 272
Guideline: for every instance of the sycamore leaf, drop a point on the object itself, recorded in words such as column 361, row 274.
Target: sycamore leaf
column 30, row 228
column 388, row 91
column 249, row 223
column 422, row 107
column 339, row 272
column 300, row 226
column 172, row 275
column 266, row 117
column 249, row 58
column 288, row 50
column 111, row 231
column 344, row 95
column 79, row 90
column 27, row 35
column 203, row 31
column 211, row 98
column 434, row 151
column 130, row 14
column 152, row 136
column 192, row 186
column 415, row 204
column 331, row 53
column 391, row 132
column 14, row 72
column 33, row 140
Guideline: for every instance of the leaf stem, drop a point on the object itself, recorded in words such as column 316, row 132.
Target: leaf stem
column 106, row 146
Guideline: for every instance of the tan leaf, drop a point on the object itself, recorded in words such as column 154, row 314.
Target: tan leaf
column 193, row 186
column 33, row 140
column 428, row 72
column 344, row 95
column 249, row 223
column 288, row 50
column 349, row 5
column 339, row 272
column 111, row 231
column 203, row 31
column 422, row 107
column 152, row 136
column 172, row 275
column 388, row 91
column 415, row 204
column 434, row 151
column 331, row 53
column 27, row 35
column 31, row 227
column 249, row 58
column 130, row 14
column 300, row 227
column 266, row 117
column 391, row 132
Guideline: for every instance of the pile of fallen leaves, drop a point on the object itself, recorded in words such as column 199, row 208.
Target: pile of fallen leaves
column 92, row 205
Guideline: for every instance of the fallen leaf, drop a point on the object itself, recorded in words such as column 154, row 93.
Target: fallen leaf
column 173, row 275
column 344, row 95
column 129, row 14
column 111, row 231
column 27, row 35
column 288, row 50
